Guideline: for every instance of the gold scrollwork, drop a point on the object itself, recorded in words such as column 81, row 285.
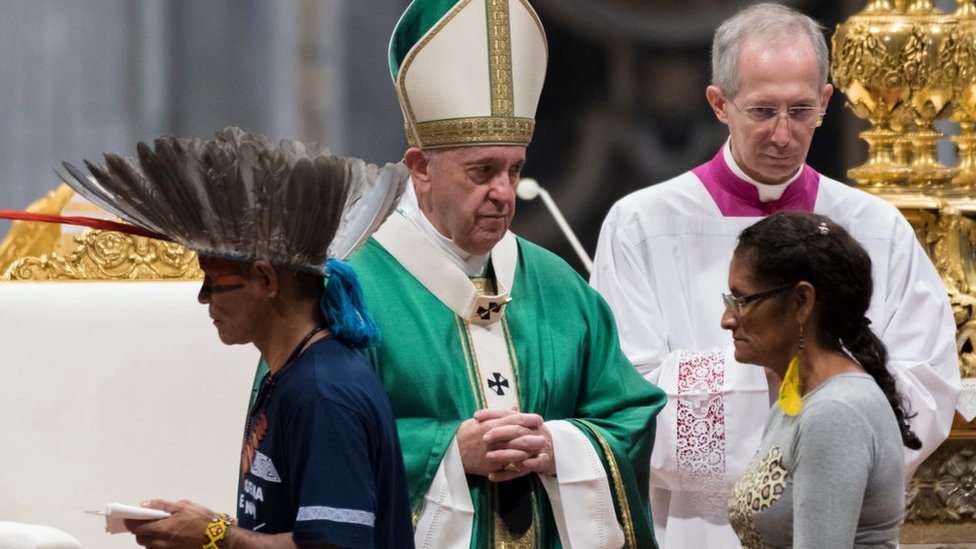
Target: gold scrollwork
column 914, row 55
column 868, row 73
column 33, row 239
column 899, row 71
column 108, row 255
column 902, row 65
column 944, row 488
column 950, row 240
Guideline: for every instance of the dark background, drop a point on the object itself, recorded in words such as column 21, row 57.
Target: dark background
column 623, row 106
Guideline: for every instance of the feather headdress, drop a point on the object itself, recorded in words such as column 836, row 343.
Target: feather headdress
column 241, row 197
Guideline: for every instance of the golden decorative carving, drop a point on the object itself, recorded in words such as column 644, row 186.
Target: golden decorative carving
column 34, row 239
column 896, row 67
column 903, row 65
column 957, row 485
column 964, row 63
column 944, row 488
column 952, row 235
column 942, row 496
column 108, row 255
column 952, row 239
column 948, row 235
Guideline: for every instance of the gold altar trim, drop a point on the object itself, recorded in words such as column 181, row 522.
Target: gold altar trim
column 940, row 498
column 109, row 255
column 33, row 251
column 34, row 239
column 902, row 66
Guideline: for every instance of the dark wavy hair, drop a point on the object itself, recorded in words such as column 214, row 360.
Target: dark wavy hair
column 789, row 247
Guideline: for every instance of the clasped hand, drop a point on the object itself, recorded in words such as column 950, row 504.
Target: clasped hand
column 493, row 439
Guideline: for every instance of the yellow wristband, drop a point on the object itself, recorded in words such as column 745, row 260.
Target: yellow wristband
column 216, row 530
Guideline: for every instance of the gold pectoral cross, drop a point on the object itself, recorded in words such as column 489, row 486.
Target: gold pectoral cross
column 489, row 305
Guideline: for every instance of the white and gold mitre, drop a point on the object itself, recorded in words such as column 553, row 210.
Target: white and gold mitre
column 468, row 72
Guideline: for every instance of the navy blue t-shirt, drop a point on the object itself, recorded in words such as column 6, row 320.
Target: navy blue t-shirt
column 323, row 459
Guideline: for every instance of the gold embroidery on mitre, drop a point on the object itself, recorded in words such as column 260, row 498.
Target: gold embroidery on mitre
column 473, row 131
column 500, row 58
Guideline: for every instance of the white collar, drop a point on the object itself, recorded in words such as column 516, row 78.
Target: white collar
column 421, row 257
column 767, row 193
column 471, row 265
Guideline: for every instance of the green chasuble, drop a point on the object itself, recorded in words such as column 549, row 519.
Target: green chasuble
column 567, row 365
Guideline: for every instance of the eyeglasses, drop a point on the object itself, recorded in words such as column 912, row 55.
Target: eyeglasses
column 735, row 304
column 801, row 115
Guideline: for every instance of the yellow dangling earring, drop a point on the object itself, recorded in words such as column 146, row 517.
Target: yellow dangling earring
column 789, row 391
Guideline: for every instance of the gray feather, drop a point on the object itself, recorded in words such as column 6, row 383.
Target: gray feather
column 240, row 196
column 372, row 199
column 91, row 189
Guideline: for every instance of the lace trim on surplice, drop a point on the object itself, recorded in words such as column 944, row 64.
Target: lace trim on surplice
column 701, row 423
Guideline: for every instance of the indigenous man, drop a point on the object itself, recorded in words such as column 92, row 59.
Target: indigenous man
column 662, row 263
column 321, row 464
column 522, row 423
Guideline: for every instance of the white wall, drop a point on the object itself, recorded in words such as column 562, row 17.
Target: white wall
column 115, row 391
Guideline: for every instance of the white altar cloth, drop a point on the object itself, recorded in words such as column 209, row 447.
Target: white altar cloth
column 115, row 391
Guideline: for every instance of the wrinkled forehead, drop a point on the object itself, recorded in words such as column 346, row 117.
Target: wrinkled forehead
column 786, row 59
column 483, row 154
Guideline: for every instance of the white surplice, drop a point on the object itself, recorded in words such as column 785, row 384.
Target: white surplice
column 662, row 263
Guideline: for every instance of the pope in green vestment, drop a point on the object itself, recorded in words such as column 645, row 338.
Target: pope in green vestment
column 567, row 366
column 521, row 421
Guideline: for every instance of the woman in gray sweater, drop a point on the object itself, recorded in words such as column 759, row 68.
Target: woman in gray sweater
column 829, row 471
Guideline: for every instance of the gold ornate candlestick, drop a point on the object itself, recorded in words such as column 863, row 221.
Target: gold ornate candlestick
column 965, row 74
column 928, row 59
column 864, row 68
column 902, row 68
column 894, row 66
